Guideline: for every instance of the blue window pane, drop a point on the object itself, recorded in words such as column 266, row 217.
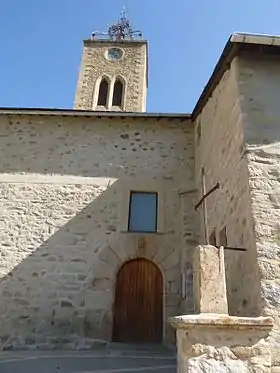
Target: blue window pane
column 143, row 212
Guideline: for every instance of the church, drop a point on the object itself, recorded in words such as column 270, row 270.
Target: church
column 103, row 205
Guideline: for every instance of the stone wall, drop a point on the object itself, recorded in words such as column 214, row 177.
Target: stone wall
column 221, row 343
column 132, row 69
column 259, row 82
column 190, row 238
column 219, row 149
column 64, row 184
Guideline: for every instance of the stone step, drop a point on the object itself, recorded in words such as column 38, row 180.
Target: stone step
column 142, row 349
column 74, row 343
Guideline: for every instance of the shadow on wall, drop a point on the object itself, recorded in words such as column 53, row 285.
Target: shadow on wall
column 66, row 285
column 60, row 239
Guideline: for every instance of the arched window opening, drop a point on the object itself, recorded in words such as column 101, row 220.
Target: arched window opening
column 118, row 93
column 103, row 93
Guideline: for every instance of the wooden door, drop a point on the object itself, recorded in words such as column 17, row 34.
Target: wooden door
column 138, row 304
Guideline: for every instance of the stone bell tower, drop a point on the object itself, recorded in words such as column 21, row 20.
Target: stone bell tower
column 114, row 70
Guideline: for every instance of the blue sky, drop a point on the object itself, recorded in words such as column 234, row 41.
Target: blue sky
column 41, row 45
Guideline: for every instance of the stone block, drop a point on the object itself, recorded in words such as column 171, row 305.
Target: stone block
column 209, row 280
column 220, row 343
column 170, row 261
column 237, row 38
column 259, row 39
column 172, row 300
column 205, row 365
column 99, row 299
column 109, row 256
column 103, row 270
column 101, row 283
column 276, row 40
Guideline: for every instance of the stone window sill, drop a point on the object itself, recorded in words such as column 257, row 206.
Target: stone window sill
column 142, row 233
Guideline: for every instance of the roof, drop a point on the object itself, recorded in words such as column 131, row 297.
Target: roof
column 238, row 41
column 91, row 113
column 262, row 43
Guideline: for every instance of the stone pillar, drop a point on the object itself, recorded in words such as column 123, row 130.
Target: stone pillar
column 212, row 341
column 222, row 344
column 209, row 280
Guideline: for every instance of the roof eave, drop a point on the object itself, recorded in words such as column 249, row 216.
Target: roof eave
column 235, row 43
column 89, row 113
column 220, row 68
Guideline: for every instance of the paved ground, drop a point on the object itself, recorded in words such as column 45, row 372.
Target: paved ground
column 86, row 362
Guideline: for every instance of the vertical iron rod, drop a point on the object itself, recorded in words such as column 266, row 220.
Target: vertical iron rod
column 205, row 216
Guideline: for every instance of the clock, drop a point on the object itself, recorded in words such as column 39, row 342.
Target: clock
column 114, row 54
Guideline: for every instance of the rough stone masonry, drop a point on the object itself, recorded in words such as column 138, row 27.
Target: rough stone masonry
column 65, row 181
column 241, row 117
column 64, row 206
column 213, row 341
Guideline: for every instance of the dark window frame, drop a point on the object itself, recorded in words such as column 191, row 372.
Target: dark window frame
column 105, row 94
column 117, row 99
column 213, row 238
column 156, row 212
column 223, row 236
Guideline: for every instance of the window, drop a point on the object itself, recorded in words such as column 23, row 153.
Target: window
column 223, row 237
column 118, row 93
column 143, row 212
column 103, row 93
column 212, row 238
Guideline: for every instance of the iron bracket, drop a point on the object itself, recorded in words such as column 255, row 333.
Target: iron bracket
column 217, row 186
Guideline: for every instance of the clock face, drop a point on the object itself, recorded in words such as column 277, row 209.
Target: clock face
column 114, row 54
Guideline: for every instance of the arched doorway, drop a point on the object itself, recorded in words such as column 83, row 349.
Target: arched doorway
column 138, row 304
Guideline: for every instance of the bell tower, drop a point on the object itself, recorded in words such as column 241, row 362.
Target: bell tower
column 114, row 70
